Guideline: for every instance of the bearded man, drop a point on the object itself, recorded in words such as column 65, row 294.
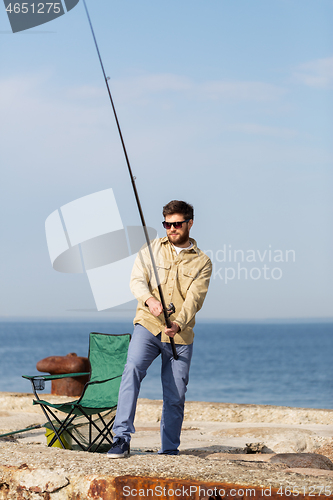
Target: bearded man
column 183, row 272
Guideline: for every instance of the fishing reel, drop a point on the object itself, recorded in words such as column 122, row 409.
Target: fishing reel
column 171, row 309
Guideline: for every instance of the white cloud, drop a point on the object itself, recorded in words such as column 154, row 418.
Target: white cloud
column 263, row 130
column 144, row 87
column 19, row 88
column 317, row 74
column 45, row 132
column 86, row 92
column 33, row 99
column 29, row 102
column 242, row 91
column 72, row 127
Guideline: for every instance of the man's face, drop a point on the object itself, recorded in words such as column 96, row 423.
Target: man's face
column 179, row 236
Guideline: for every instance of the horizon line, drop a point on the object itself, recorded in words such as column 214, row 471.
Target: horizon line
column 310, row 319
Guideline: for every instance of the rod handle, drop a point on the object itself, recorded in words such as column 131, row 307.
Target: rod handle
column 172, row 340
column 173, row 347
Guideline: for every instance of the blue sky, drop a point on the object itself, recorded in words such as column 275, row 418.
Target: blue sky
column 227, row 105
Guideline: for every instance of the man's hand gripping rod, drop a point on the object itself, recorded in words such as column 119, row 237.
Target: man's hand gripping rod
column 165, row 311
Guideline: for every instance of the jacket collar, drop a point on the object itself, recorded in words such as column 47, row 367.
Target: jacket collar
column 165, row 239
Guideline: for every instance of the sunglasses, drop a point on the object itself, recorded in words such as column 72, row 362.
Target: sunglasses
column 176, row 225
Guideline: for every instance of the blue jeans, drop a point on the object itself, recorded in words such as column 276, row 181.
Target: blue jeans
column 143, row 349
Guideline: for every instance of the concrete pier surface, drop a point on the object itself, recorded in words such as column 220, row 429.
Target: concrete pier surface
column 227, row 451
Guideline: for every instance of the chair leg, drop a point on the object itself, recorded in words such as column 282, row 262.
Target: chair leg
column 56, row 435
column 62, row 427
column 102, row 436
column 100, row 431
column 107, row 430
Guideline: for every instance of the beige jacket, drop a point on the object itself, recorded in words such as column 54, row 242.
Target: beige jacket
column 184, row 279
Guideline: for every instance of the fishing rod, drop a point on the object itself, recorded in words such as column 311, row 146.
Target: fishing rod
column 20, row 431
column 166, row 312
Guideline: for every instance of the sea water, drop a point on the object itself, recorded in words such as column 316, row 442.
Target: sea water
column 254, row 363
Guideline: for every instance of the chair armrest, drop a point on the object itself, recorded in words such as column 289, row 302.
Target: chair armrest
column 38, row 381
column 54, row 377
column 91, row 382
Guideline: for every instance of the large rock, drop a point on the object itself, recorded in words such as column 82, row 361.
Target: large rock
column 303, row 460
column 40, row 480
column 276, row 439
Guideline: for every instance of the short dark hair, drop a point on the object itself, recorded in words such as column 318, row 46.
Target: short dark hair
column 178, row 207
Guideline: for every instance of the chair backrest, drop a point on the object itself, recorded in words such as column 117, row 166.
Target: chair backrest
column 107, row 356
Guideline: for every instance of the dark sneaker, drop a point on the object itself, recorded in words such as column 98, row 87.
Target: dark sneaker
column 169, row 452
column 119, row 449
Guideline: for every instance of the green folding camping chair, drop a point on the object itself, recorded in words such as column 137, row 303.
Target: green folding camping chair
column 97, row 405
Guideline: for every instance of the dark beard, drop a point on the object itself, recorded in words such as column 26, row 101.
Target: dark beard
column 182, row 239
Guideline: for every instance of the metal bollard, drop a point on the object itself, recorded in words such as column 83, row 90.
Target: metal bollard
column 57, row 365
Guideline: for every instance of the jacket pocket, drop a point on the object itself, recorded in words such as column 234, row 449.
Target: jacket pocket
column 187, row 276
column 163, row 270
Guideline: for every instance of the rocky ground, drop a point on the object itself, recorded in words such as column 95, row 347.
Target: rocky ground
column 222, row 444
